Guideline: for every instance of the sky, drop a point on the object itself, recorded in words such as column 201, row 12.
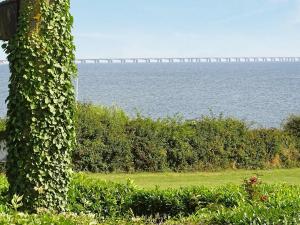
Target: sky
column 185, row 28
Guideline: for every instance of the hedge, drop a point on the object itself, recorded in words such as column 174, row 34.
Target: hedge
column 108, row 140
column 94, row 202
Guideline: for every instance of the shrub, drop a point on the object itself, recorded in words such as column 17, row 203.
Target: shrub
column 109, row 141
column 219, row 142
column 100, row 202
column 104, row 199
column 175, row 144
column 270, row 148
column 47, row 218
column 149, row 153
column 102, row 141
column 259, row 214
column 176, row 135
column 223, row 205
column 107, row 199
column 183, row 202
column 292, row 125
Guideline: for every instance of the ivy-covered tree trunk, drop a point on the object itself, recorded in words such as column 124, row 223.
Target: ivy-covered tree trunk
column 41, row 105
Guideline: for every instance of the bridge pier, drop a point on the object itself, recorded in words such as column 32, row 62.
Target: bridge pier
column 208, row 60
column 228, row 60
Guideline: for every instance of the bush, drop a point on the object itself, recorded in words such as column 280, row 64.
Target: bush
column 183, row 202
column 149, row 153
column 107, row 199
column 100, row 202
column 219, row 142
column 292, row 125
column 176, row 135
column 103, row 145
column 109, row 141
column 104, row 199
column 47, row 218
column 269, row 148
column 222, row 205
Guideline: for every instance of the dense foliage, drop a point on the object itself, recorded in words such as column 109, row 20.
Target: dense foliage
column 102, row 141
column 40, row 126
column 110, row 203
column 292, row 126
column 2, row 129
column 108, row 140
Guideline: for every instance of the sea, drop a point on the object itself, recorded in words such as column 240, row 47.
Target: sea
column 262, row 94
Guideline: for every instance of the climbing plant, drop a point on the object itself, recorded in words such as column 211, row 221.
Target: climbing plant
column 41, row 105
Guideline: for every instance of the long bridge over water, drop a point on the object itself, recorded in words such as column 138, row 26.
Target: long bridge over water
column 186, row 60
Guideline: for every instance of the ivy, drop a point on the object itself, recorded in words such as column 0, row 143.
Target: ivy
column 41, row 105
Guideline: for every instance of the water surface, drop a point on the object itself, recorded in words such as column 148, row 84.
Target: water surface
column 262, row 92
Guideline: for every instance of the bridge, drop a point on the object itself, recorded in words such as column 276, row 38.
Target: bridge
column 186, row 60
column 191, row 60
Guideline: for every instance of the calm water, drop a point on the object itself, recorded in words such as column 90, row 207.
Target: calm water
column 262, row 92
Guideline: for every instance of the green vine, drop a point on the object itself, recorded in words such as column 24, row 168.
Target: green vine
column 41, row 105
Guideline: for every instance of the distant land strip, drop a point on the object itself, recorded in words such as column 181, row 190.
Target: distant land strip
column 185, row 60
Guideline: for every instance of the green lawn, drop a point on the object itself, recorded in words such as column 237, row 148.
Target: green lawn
column 176, row 180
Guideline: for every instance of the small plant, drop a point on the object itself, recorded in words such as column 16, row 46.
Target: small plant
column 16, row 202
column 251, row 187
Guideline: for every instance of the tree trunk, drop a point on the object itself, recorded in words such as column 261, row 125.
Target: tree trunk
column 41, row 105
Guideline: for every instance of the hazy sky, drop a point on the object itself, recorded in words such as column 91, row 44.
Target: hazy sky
column 166, row 28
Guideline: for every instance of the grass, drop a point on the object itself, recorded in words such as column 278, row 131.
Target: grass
column 209, row 179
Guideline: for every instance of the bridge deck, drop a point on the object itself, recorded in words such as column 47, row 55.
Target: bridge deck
column 186, row 60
